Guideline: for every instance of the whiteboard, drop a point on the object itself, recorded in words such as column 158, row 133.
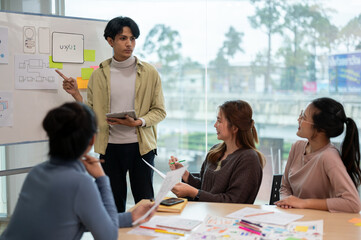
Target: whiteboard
column 30, row 44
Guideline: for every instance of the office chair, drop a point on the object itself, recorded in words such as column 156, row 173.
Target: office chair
column 275, row 191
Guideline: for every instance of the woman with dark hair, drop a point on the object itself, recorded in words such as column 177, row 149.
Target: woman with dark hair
column 59, row 198
column 232, row 171
column 317, row 176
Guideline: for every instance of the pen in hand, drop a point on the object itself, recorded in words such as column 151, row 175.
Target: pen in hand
column 178, row 161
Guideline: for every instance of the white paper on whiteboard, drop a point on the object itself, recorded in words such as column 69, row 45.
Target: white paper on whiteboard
column 68, row 47
column 6, row 109
column 44, row 40
column 4, row 51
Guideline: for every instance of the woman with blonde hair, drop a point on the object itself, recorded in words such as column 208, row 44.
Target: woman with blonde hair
column 232, row 170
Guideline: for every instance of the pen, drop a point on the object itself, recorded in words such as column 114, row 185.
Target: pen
column 178, row 161
column 250, row 230
column 165, row 231
column 246, row 225
column 152, row 228
column 258, row 214
column 256, row 224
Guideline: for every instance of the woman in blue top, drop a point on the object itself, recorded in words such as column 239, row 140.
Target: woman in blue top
column 59, row 198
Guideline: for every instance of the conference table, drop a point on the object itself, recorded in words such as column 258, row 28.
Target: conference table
column 335, row 225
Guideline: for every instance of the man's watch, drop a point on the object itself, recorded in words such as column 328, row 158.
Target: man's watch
column 196, row 198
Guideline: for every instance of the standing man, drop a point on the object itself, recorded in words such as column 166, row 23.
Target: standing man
column 119, row 84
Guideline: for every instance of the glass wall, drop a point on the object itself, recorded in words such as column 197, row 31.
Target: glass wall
column 277, row 55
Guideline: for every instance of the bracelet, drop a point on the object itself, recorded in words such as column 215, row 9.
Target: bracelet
column 196, row 198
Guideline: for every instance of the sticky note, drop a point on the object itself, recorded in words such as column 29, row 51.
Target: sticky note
column 355, row 220
column 94, row 67
column 53, row 64
column 301, row 228
column 82, row 84
column 89, row 55
column 358, row 224
column 86, row 73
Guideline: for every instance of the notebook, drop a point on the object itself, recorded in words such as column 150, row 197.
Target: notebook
column 177, row 208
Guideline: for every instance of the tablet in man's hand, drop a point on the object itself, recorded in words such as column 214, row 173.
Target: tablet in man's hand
column 130, row 113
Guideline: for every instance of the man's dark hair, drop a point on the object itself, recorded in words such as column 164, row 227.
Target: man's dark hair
column 116, row 26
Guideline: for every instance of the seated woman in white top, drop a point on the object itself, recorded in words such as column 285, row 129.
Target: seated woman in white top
column 316, row 175
column 59, row 198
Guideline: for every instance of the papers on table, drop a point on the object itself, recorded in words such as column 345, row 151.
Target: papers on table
column 278, row 218
column 215, row 227
column 171, row 179
column 149, row 227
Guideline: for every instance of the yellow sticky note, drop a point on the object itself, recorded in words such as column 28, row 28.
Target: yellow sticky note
column 355, row 220
column 89, row 55
column 86, row 73
column 301, row 228
column 358, row 224
column 82, row 84
column 53, row 64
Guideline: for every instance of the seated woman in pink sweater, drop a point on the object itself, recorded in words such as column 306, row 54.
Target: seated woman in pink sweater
column 317, row 175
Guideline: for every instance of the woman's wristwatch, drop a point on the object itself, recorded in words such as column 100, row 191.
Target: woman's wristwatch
column 196, row 198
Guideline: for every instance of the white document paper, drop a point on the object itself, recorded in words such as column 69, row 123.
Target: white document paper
column 6, row 109
column 176, row 223
column 156, row 170
column 278, row 218
column 307, row 228
column 4, row 49
column 44, row 40
column 171, row 179
column 32, row 72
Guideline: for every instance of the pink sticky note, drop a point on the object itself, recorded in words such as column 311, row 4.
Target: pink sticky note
column 94, row 67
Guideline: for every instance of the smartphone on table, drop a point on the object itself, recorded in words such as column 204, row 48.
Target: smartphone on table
column 171, row 201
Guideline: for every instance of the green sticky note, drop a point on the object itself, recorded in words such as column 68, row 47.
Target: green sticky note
column 86, row 72
column 89, row 55
column 53, row 64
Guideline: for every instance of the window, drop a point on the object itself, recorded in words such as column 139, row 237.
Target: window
column 277, row 55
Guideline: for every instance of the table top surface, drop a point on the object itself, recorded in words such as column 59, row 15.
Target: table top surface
column 335, row 225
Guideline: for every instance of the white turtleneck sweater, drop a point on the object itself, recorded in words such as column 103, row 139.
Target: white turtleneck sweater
column 122, row 95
